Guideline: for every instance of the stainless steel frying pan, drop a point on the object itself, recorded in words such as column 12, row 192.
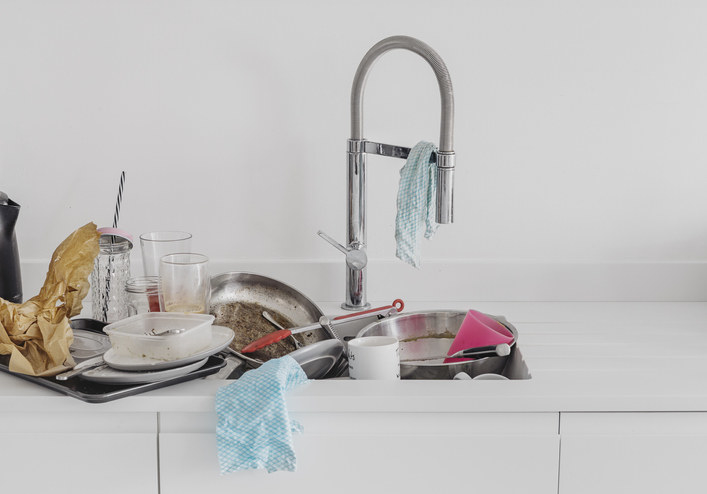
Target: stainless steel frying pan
column 275, row 296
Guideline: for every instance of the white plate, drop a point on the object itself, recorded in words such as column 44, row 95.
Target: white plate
column 106, row 375
column 220, row 338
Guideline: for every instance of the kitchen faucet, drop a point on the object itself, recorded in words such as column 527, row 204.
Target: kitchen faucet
column 358, row 147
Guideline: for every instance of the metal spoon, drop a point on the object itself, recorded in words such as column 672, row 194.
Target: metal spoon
column 272, row 321
column 164, row 332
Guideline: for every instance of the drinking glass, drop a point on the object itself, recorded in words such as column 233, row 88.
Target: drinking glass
column 185, row 283
column 155, row 245
column 143, row 295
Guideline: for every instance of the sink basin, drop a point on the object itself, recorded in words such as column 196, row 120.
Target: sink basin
column 423, row 335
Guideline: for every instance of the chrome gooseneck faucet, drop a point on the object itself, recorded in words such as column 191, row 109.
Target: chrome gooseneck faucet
column 358, row 147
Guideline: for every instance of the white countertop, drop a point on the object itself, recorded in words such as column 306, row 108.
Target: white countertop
column 583, row 356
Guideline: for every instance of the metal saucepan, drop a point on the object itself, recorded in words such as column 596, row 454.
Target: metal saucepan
column 237, row 302
column 426, row 334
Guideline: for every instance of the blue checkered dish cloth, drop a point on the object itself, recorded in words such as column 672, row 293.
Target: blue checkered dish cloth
column 254, row 429
column 416, row 202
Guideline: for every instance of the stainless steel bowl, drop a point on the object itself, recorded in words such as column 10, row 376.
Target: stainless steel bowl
column 428, row 334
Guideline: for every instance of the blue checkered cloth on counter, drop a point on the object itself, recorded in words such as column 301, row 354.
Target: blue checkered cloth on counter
column 416, row 202
column 254, row 429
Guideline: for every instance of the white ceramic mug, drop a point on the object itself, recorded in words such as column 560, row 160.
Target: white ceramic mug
column 374, row 357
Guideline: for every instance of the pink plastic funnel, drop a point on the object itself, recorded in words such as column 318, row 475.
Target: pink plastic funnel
column 476, row 330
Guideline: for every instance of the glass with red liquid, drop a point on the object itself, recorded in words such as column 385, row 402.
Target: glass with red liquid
column 143, row 295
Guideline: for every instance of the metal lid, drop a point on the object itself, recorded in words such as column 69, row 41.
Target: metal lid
column 115, row 240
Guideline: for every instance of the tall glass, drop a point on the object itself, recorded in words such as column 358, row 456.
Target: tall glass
column 185, row 283
column 155, row 245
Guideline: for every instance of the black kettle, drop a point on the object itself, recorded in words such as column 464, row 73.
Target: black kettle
column 10, row 277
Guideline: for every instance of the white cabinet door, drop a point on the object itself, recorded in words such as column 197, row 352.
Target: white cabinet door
column 633, row 452
column 76, row 453
column 377, row 452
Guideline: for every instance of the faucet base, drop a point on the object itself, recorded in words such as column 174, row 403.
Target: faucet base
column 346, row 306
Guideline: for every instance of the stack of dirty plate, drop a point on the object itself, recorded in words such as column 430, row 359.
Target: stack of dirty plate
column 154, row 347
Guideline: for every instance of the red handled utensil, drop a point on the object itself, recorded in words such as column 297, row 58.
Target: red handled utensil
column 270, row 338
column 397, row 304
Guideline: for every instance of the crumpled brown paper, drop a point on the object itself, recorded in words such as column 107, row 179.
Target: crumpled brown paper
column 36, row 333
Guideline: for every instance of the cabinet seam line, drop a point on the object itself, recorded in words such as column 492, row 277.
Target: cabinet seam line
column 157, row 439
column 559, row 449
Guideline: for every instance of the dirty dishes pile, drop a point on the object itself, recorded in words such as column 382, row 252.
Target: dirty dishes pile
column 153, row 347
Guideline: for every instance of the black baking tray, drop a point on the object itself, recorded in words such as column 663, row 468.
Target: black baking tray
column 92, row 392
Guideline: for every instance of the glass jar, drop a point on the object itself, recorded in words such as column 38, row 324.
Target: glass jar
column 143, row 295
column 111, row 271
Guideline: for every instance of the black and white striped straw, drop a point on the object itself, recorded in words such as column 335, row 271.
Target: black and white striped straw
column 116, row 216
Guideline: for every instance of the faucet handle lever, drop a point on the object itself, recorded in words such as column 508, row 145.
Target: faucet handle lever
column 356, row 258
column 333, row 242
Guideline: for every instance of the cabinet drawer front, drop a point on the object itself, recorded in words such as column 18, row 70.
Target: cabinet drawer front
column 364, row 463
column 354, row 453
column 69, row 463
column 629, row 423
column 632, row 452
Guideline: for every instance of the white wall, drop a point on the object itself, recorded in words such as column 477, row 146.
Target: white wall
column 579, row 134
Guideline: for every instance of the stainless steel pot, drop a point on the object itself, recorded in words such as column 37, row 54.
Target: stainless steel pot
column 275, row 296
column 427, row 334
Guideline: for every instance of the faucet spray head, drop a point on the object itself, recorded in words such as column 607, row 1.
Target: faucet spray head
column 445, row 187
